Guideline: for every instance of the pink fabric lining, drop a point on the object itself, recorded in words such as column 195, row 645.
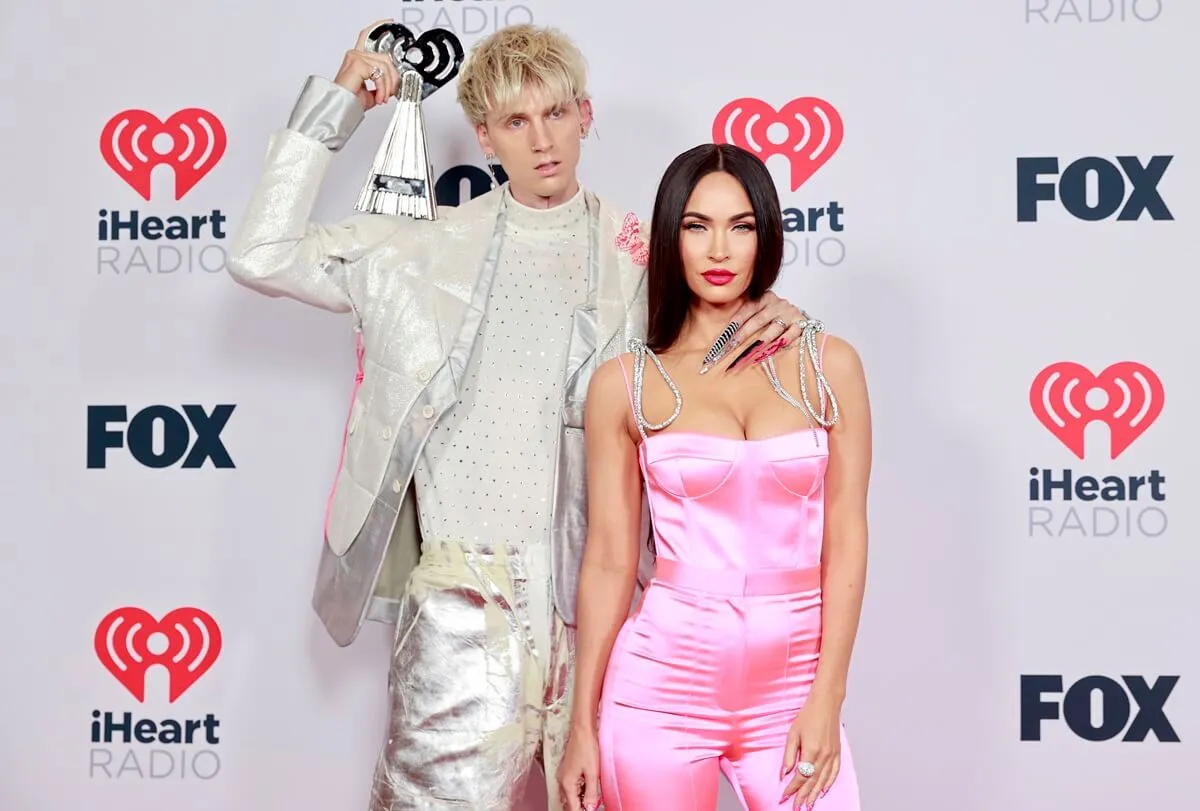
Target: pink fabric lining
column 359, row 352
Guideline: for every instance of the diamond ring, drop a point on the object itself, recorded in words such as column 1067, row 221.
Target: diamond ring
column 806, row 769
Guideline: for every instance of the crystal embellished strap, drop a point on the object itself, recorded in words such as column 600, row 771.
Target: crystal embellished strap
column 640, row 351
column 810, row 329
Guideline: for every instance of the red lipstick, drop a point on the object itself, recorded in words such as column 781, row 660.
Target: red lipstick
column 718, row 276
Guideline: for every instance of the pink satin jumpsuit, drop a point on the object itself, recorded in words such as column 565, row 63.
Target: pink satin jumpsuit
column 709, row 674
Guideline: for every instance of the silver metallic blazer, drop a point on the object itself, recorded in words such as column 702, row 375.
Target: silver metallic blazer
column 417, row 290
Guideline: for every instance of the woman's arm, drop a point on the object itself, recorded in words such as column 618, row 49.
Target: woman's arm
column 844, row 558
column 610, row 557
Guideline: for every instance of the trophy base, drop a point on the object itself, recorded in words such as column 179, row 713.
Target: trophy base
column 398, row 196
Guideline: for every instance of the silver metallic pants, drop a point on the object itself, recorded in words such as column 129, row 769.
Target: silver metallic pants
column 478, row 686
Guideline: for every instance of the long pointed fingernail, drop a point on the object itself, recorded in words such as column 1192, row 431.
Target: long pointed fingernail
column 713, row 358
column 725, row 342
column 769, row 351
column 742, row 356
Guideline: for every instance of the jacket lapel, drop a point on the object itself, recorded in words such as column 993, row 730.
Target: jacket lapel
column 621, row 294
column 599, row 326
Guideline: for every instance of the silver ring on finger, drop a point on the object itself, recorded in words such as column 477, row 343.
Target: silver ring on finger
column 375, row 74
column 806, row 769
column 782, row 324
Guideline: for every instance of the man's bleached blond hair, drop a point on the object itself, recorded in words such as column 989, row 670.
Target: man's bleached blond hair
column 503, row 64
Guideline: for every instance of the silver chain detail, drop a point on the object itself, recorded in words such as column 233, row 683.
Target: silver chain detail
column 808, row 346
column 640, row 351
column 809, row 330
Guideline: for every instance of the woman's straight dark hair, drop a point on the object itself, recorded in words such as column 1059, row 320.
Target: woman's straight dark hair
column 668, row 294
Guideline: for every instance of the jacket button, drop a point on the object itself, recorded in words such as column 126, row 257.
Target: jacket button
column 387, row 433
column 427, row 412
column 396, row 486
column 424, row 375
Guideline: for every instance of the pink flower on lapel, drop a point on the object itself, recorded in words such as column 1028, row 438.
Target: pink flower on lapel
column 630, row 240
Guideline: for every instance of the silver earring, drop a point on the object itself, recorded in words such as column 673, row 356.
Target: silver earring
column 489, row 158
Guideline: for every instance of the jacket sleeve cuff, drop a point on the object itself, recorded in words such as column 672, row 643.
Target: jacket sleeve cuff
column 326, row 112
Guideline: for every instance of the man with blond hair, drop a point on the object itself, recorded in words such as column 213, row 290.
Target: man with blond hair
column 459, row 509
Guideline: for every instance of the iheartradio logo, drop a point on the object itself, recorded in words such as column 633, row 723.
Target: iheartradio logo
column 1128, row 397
column 129, row 641
column 812, row 132
column 192, row 142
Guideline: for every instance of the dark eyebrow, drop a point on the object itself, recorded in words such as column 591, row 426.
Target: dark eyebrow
column 705, row 218
column 545, row 111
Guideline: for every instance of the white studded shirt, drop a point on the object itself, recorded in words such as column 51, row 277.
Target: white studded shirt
column 486, row 474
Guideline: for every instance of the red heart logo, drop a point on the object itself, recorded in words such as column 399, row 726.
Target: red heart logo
column 814, row 132
column 193, row 643
column 1134, row 399
column 197, row 142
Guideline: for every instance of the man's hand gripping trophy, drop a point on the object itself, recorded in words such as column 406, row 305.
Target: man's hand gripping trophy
column 370, row 76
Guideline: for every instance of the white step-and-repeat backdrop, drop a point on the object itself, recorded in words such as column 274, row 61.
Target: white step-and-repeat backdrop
column 998, row 207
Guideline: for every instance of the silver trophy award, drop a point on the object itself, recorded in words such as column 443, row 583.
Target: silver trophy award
column 401, row 178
